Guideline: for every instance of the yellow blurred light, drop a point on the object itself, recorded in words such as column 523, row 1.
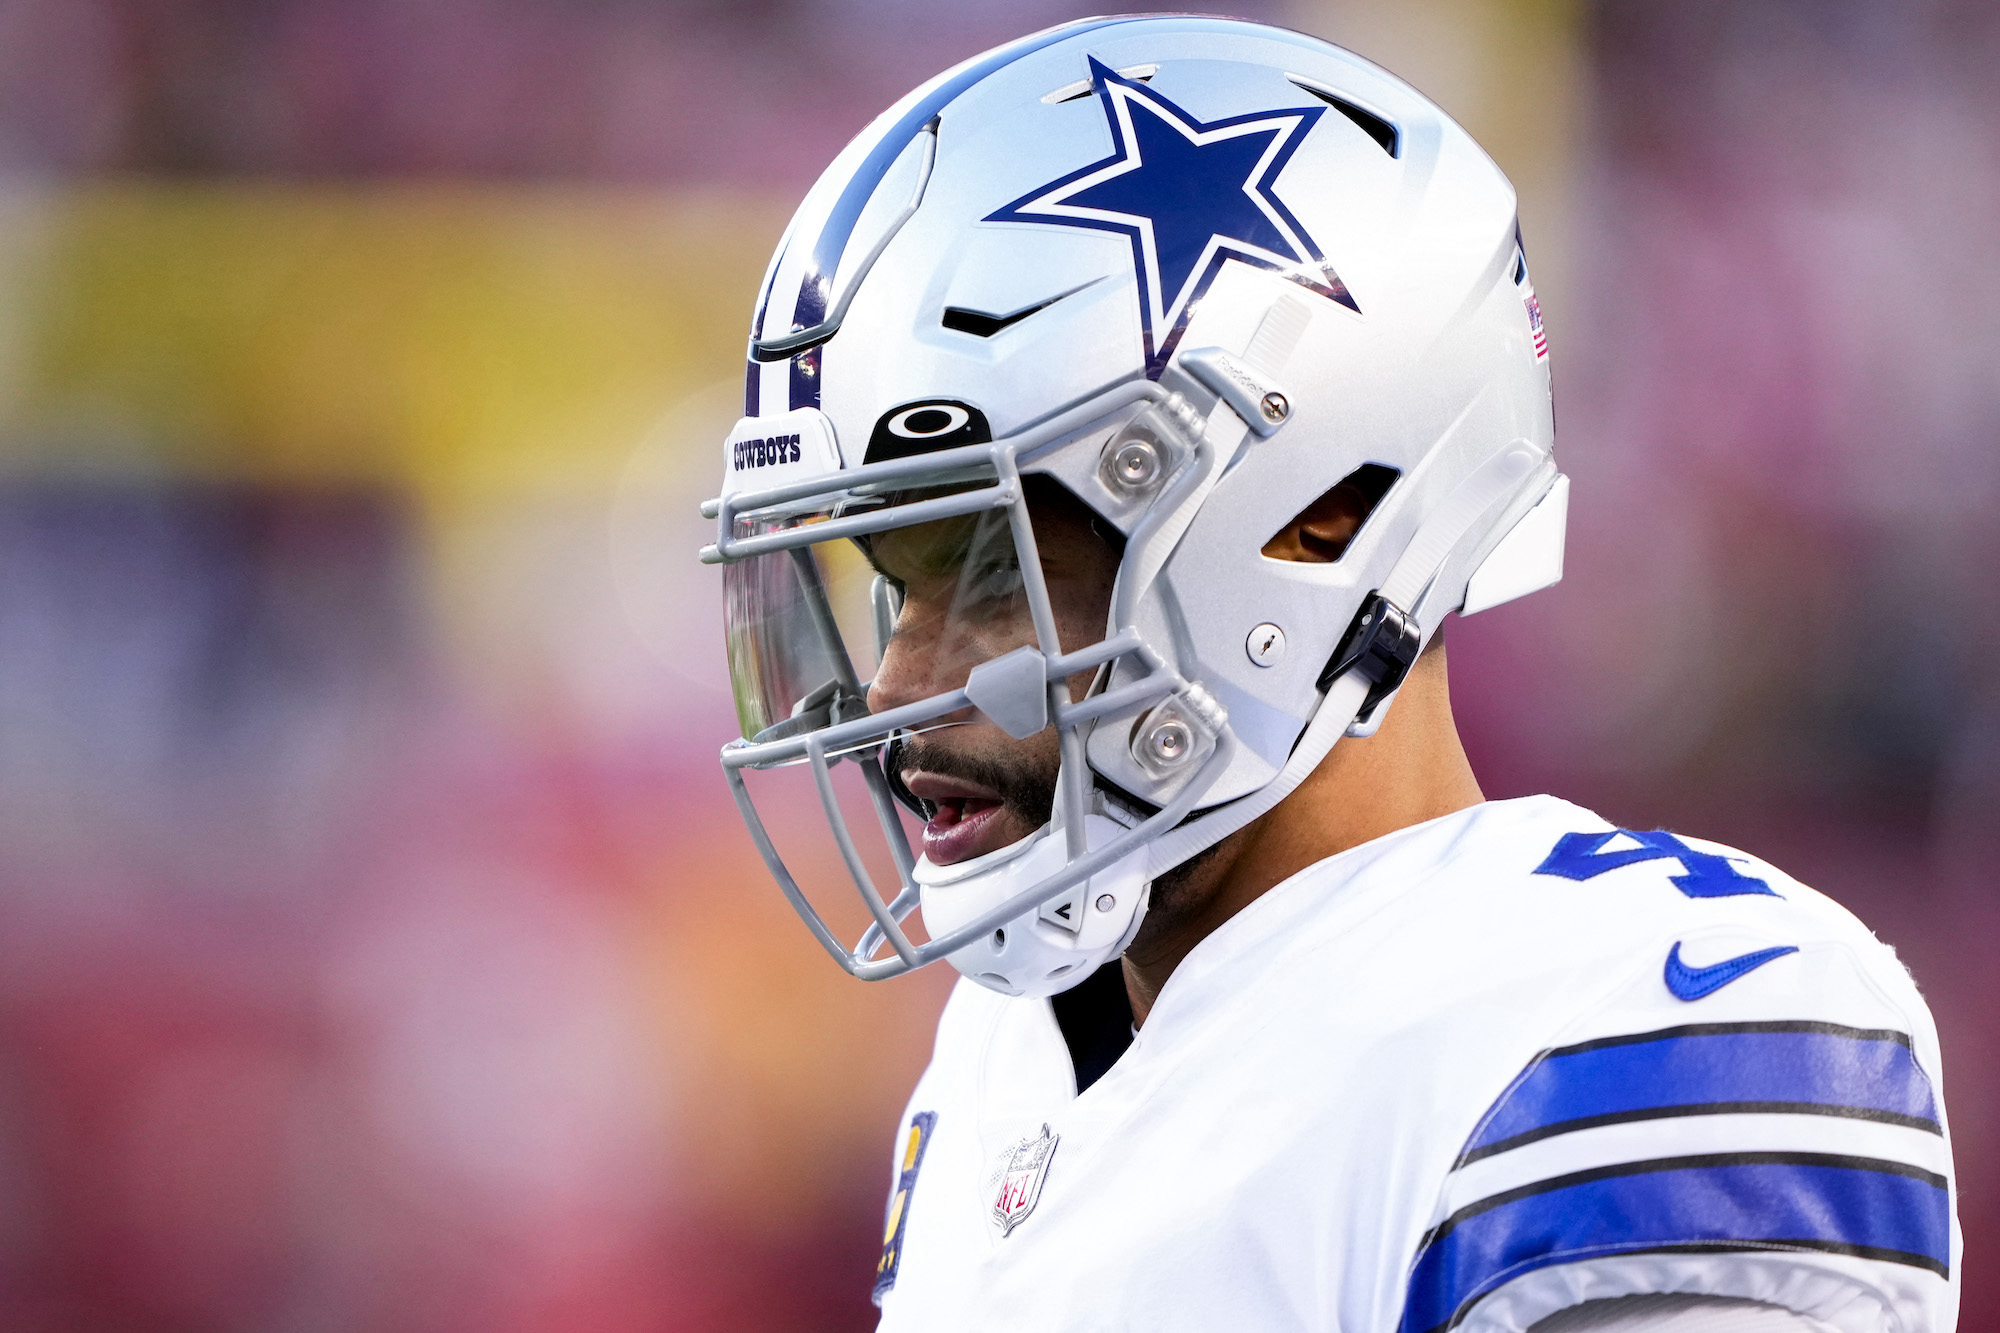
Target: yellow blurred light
column 464, row 342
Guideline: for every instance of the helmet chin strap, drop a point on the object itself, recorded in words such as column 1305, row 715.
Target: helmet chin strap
column 1408, row 584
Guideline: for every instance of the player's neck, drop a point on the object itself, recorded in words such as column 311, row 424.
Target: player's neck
column 1412, row 770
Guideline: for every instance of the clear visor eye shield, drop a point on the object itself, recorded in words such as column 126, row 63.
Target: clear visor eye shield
column 803, row 603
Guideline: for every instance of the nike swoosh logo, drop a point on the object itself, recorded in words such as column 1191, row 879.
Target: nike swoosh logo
column 1691, row 983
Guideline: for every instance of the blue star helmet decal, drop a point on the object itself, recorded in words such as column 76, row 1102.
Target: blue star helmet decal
column 1189, row 194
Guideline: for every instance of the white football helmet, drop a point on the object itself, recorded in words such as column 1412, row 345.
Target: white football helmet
column 1199, row 272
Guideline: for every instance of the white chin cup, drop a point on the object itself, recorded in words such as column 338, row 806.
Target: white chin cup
column 1037, row 952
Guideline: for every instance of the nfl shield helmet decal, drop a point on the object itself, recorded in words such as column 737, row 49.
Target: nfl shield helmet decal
column 914, row 1144
column 1023, row 1168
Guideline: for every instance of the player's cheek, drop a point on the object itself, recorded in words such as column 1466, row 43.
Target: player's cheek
column 1081, row 604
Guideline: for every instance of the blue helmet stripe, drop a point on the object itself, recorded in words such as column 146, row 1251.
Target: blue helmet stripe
column 804, row 379
column 1814, row 1068
column 1742, row 1201
column 754, row 376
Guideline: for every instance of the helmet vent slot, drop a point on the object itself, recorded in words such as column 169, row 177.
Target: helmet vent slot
column 1375, row 127
column 1320, row 533
column 1070, row 92
column 982, row 325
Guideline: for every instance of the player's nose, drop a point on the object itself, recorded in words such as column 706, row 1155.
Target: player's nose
column 929, row 654
column 908, row 665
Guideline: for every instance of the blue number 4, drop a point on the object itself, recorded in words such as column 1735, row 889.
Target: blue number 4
column 1703, row 875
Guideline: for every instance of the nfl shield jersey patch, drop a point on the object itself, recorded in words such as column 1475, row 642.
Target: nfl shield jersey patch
column 1023, row 1168
column 918, row 1139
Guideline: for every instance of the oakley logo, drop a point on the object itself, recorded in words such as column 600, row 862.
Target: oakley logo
column 926, row 422
column 766, row 452
column 922, row 428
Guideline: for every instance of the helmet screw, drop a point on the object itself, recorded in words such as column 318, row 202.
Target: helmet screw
column 1266, row 645
column 1105, row 902
column 1274, row 407
column 1170, row 742
column 1134, row 465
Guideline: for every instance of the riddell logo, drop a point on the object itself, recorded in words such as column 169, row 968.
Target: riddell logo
column 766, row 453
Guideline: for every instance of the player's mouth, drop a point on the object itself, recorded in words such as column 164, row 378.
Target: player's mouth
column 967, row 819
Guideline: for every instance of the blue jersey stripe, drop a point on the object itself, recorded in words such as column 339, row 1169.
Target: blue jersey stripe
column 1814, row 1068
column 1750, row 1201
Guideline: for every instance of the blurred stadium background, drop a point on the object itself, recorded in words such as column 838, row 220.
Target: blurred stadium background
column 378, row 950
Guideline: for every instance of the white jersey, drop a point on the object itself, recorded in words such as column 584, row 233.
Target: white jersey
column 1464, row 1076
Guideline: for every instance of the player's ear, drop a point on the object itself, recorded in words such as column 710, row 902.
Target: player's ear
column 1319, row 533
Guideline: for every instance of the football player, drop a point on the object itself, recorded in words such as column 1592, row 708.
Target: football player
column 1127, row 409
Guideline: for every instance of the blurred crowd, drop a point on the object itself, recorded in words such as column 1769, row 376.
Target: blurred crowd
column 378, row 947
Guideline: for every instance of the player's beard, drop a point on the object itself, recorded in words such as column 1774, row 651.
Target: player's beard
column 1023, row 775
column 1177, row 897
